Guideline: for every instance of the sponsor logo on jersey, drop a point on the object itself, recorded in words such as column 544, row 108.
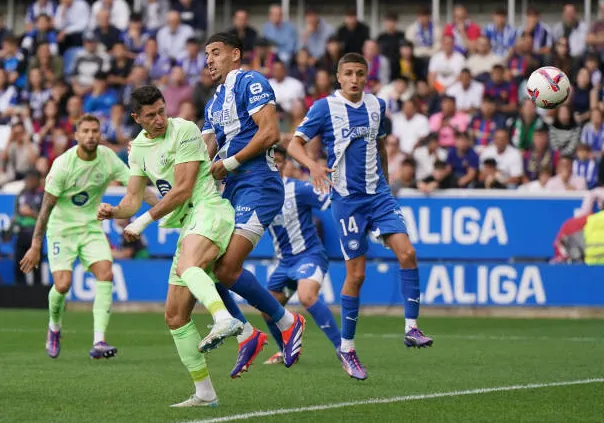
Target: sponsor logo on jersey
column 259, row 97
column 187, row 140
column 80, row 198
column 163, row 187
column 359, row 132
column 163, row 160
column 222, row 117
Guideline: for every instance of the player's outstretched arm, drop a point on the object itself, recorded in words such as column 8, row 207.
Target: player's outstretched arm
column 129, row 205
column 32, row 257
column 319, row 174
column 267, row 135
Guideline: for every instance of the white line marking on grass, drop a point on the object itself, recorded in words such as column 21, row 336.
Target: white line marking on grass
column 372, row 401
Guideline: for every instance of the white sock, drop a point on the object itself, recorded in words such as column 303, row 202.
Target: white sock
column 221, row 315
column 347, row 345
column 55, row 327
column 410, row 324
column 98, row 337
column 248, row 329
column 285, row 322
column 204, row 389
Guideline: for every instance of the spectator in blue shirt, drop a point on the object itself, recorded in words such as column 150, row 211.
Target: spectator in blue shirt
column 192, row 13
column 101, row 99
column 107, row 34
column 193, row 61
column 463, row 160
column 43, row 33
column 157, row 64
column 501, row 34
column 585, row 165
column 37, row 8
column 13, row 62
column 315, row 35
column 135, row 36
column 282, row 34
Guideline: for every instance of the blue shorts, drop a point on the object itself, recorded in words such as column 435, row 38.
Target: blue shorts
column 356, row 215
column 311, row 266
column 256, row 200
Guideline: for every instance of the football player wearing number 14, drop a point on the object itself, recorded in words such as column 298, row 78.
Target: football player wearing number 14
column 351, row 126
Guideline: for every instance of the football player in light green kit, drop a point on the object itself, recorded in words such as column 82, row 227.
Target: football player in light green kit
column 74, row 189
column 171, row 153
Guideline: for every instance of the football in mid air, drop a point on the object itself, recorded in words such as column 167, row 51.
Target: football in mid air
column 548, row 87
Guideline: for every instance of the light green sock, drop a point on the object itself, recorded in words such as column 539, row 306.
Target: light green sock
column 204, row 289
column 101, row 309
column 187, row 339
column 56, row 305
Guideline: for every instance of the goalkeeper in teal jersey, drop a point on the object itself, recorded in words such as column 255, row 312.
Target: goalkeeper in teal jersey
column 74, row 189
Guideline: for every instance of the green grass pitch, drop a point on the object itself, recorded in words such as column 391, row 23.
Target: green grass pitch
column 147, row 375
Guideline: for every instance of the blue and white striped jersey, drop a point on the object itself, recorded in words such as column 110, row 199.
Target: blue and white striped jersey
column 229, row 115
column 350, row 133
column 293, row 230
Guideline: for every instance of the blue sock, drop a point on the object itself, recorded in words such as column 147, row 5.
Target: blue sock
column 257, row 296
column 410, row 291
column 350, row 314
column 324, row 319
column 230, row 303
column 274, row 330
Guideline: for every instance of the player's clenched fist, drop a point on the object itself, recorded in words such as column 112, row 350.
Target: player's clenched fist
column 105, row 211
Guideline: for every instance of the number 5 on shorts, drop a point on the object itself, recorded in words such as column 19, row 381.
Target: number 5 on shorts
column 56, row 248
column 352, row 226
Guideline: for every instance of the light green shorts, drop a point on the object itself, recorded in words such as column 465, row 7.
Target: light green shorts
column 89, row 247
column 215, row 221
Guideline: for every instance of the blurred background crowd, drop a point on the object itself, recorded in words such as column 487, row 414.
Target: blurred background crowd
column 457, row 108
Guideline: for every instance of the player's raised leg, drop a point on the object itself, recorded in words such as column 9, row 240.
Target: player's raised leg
column 308, row 293
column 405, row 253
column 179, row 305
column 101, row 309
column 56, row 307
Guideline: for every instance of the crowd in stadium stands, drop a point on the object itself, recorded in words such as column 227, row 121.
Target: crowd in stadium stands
column 459, row 116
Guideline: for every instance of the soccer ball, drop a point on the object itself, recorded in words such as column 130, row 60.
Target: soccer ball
column 548, row 87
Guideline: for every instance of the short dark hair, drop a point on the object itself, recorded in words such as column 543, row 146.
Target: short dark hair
column 439, row 164
column 501, row 11
column 280, row 150
column 567, row 158
column 490, row 163
column 144, row 96
column 227, row 39
column 466, row 70
column 88, row 118
column 488, row 99
column 409, row 161
column 583, row 146
column 391, row 16
column 462, row 134
column 353, row 58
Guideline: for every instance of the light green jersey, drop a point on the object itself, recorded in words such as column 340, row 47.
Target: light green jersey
column 157, row 159
column 79, row 186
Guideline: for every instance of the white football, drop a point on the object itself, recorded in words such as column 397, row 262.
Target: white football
column 548, row 87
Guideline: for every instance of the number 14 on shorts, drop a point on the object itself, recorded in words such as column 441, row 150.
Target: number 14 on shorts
column 351, row 227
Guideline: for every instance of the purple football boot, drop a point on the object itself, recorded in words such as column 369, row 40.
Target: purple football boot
column 53, row 343
column 292, row 340
column 351, row 364
column 416, row 338
column 102, row 349
column 248, row 351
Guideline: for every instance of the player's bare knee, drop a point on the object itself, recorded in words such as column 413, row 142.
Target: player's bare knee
column 308, row 298
column 62, row 285
column 175, row 320
column 227, row 274
column 356, row 277
column 105, row 275
column 407, row 258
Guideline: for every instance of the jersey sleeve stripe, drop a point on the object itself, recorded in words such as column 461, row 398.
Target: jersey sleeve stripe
column 207, row 131
column 302, row 135
column 258, row 108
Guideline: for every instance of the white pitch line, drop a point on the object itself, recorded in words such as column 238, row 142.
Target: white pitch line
column 372, row 401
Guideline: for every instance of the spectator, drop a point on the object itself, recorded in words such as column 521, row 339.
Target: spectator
column 408, row 65
column 425, row 35
column 13, row 62
column 29, row 202
column 539, row 32
column 71, row 20
column 87, row 63
column 303, row 70
column 378, row 73
column 118, row 13
column 490, row 176
column 463, row 160
column 484, row 124
column 500, row 34
column 586, row 166
column 262, row 58
column 280, row 33
column 463, row 31
column 573, row 30
column 286, row 88
column 481, row 63
column 135, row 37
column 426, row 155
column 445, row 66
column 243, row 31
column 9, row 97
column 406, row 177
column 592, row 64
column 441, row 178
column 192, row 13
column 592, row 133
column 315, row 35
column 321, row 88
column 394, row 156
column 3, row 31
column 203, row 91
column 51, row 66
column 138, row 77
column 448, row 121
column 37, row 8
column 187, row 111
column 394, row 94
column 157, row 64
column 36, row 94
column 100, row 101
column 390, row 41
column 595, row 38
column 539, row 155
column 429, row 100
column 193, row 61
column 154, row 15
column 523, row 60
column 115, row 131
column 538, row 185
column 353, row 33
column 43, row 33
column 467, row 92
column 504, row 92
column 332, row 56
column 121, row 66
column 107, row 34
column 508, row 158
column 59, row 92
column 44, row 126
column 74, row 113
column 129, row 249
column 19, row 155
column 409, row 127
column 525, row 125
column 562, row 59
column 177, row 91
column 583, row 97
column 564, row 179
column 172, row 38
